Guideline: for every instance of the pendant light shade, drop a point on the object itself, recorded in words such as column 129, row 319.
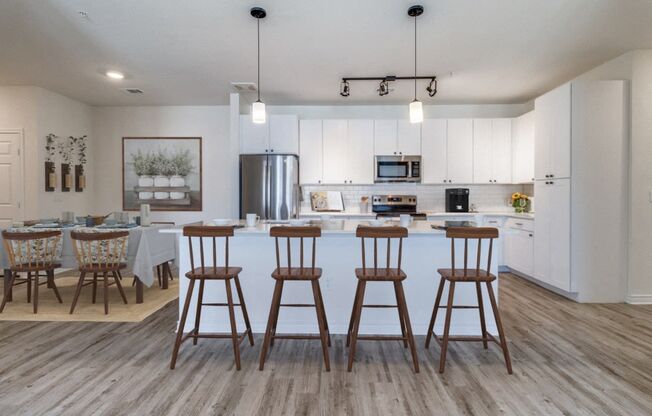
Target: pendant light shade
column 258, row 108
column 258, row 112
column 416, row 112
column 416, row 108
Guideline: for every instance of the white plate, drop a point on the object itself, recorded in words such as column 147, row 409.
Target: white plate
column 222, row 221
column 377, row 223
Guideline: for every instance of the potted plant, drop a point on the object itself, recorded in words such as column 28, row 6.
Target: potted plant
column 145, row 169
column 66, row 151
column 50, row 149
column 520, row 202
column 164, row 169
column 80, row 177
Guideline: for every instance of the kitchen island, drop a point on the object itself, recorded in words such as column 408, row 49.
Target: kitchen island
column 338, row 254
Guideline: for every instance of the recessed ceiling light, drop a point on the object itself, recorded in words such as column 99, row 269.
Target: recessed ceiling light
column 115, row 74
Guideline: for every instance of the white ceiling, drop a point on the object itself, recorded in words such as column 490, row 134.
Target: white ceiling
column 188, row 52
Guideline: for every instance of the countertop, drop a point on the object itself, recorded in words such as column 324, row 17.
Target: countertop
column 510, row 214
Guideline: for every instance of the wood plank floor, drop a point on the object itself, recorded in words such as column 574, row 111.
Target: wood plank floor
column 568, row 358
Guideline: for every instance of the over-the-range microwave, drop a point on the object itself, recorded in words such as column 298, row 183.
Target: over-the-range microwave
column 398, row 169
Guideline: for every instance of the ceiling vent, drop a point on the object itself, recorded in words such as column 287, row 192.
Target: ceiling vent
column 134, row 90
column 244, row 86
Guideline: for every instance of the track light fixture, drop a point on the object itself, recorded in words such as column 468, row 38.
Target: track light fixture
column 416, row 107
column 383, row 88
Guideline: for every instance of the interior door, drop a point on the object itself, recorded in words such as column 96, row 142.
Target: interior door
column 501, row 142
column 409, row 138
column 460, row 150
column 11, row 179
column 311, row 151
column 385, row 137
column 335, row 144
column 433, row 151
column 284, row 133
column 482, row 151
column 359, row 152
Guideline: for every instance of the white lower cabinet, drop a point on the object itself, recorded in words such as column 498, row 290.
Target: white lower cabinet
column 519, row 251
column 552, row 233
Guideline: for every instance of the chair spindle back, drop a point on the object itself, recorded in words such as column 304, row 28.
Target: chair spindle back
column 212, row 233
column 386, row 233
column 38, row 250
column 105, row 250
column 300, row 233
column 472, row 233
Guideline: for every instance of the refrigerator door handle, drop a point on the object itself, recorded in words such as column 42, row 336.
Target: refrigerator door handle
column 267, row 187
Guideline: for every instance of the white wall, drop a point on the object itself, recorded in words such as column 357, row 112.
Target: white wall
column 211, row 123
column 39, row 112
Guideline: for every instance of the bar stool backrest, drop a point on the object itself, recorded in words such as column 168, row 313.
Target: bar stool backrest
column 388, row 233
column 104, row 250
column 472, row 233
column 212, row 233
column 37, row 250
column 290, row 233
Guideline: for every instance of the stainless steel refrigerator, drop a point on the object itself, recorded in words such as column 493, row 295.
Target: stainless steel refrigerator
column 269, row 186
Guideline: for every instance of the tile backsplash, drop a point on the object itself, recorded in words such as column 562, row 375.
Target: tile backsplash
column 429, row 197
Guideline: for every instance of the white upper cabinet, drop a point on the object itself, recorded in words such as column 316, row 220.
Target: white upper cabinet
column 482, row 149
column 279, row 135
column 523, row 149
column 434, row 151
column 359, row 152
column 335, row 138
column 310, row 151
column 460, row 150
column 284, row 133
column 409, row 138
column 492, row 150
column 553, row 134
column 385, row 137
column 254, row 138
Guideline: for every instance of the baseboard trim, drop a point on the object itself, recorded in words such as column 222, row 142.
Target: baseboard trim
column 639, row 299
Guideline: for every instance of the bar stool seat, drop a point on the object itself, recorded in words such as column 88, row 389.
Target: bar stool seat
column 217, row 273
column 475, row 275
column 381, row 275
column 296, row 273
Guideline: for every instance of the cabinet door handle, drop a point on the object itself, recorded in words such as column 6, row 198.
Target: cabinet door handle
column 519, row 224
column 319, row 181
column 552, row 176
column 265, row 150
column 272, row 150
column 530, row 235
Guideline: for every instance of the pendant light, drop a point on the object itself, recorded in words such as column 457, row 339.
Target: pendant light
column 258, row 108
column 416, row 108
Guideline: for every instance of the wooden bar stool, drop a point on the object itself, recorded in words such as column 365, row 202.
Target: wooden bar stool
column 301, row 273
column 32, row 253
column 381, row 274
column 475, row 275
column 98, row 253
column 212, row 272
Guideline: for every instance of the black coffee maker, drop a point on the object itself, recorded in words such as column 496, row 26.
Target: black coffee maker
column 457, row 200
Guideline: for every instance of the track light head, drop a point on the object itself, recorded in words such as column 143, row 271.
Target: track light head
column 383, row 88
column 344, row 88
column 432, row 87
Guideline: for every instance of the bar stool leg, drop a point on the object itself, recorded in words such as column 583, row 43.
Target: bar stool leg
column 200, row 300
column 356, row 326
column 234, row 329
column 182, row 324
column 483, row 326
column 36, row 292
column 280, row 296
column 321, row 320
column 276, row 300
column 400, row 318
column 352, row 320
column 408, row 327
column 501, row 331
column 244, row 309
column 431, row 327
column 50, row 275
column 447, row 326
column 321, row 303
column 7, row 290
column 94, row 286
column 77, row 291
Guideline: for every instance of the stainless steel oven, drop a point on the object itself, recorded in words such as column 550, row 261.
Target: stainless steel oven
column 398, row 169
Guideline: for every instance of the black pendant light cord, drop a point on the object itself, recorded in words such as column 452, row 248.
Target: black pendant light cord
column 258, row 30
column 415, row 57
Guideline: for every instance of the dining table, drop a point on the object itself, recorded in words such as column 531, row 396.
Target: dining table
column 146, row 249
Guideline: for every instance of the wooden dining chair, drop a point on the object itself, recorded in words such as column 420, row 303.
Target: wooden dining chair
column 377, row 273
column 302, row 273
column 212, row 271
column 32, row 253
column 99, row 253
column 475, row 275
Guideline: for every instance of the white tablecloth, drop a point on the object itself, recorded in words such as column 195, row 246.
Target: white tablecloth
column 147, row 247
